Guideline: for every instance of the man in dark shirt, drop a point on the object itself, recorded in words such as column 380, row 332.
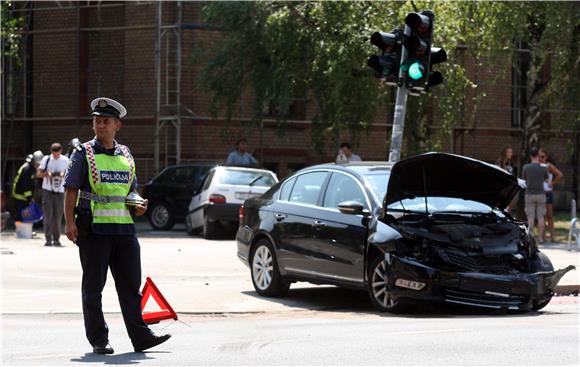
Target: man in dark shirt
column 535, row 174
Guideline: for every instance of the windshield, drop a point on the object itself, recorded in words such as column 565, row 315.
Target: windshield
column 437, row 204
column 253, row 178
column 378, row 182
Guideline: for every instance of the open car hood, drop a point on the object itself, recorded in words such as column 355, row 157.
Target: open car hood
column 451, row 175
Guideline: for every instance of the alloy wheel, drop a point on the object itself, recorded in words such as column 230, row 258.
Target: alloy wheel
column 379, row 286
column 160, row 215
column 262, row 267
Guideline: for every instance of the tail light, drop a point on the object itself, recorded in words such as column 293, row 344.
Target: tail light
column 242, row 213
column 217, row 199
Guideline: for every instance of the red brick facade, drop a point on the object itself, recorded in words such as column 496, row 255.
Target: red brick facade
column 69, row 68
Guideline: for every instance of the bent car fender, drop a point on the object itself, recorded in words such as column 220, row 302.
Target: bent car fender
column 551, row 278
column 384, row 237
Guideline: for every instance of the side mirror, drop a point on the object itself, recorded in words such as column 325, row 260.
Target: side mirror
column 352, row 207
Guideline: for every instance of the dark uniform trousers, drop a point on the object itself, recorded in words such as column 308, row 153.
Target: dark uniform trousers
column 122, row 254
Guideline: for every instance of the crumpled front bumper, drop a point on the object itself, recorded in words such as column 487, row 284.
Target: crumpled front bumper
column 520, row 291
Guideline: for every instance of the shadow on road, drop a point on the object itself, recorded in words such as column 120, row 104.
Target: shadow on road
column 120, row 359
column 335, row 299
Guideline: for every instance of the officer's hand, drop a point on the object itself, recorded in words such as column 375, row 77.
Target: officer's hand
column 141, row 209
column 71, row 231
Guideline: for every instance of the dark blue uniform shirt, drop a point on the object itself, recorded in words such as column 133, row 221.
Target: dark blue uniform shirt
column 77, row 177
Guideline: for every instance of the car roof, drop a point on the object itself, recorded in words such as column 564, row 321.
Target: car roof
column 358, row 168
column 193, row 164
column 241, row 168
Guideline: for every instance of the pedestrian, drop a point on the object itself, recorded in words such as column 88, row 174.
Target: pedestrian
column 25, row 183
column 240, row 156
column 506, row 162
column 52, row 170
column 554, row 176
column 346, row 155
column 101, row 176
column 535, row 174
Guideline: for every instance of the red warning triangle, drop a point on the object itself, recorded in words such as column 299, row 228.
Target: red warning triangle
column 151, row 290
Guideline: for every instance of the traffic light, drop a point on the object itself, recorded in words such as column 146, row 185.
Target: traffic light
column 438, row 55
column 386, row 66
column 421, row 55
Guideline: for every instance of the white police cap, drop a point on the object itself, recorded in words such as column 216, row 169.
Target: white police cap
column 103, row 106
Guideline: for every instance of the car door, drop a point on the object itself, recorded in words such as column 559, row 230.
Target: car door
column 182, row 188
column 294, row 214
column 340, row 238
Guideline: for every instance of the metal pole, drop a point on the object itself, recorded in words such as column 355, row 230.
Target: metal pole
column 400, row 108
column 178, row 85
column 157, row 88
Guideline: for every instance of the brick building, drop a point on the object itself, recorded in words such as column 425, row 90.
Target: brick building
column 76, row 51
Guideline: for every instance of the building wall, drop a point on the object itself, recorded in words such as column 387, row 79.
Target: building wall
column 68, row 65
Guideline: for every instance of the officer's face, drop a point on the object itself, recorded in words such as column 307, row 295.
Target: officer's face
column 106, row 127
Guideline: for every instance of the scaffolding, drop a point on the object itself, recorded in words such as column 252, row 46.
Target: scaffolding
column 169, row 108
column 168, row 102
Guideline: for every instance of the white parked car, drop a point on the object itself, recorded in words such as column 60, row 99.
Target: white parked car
column 222, row 194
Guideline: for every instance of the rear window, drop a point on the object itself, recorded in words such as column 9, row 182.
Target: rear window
column 255, row 178
column 192, row 175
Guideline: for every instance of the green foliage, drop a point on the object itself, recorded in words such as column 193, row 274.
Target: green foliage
column 10, row 28
column 278, row 52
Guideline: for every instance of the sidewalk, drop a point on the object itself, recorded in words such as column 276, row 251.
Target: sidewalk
column 561, row 257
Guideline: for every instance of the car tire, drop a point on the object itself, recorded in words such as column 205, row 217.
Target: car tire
column 377, row 289
column 264, row 271
column 161, row 216
column 209, row 229
column 541, row 262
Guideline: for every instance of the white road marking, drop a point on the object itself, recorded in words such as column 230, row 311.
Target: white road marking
column 45, row 356
column 424, row 332
column 35, row 294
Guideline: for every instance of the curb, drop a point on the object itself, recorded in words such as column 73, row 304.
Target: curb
column 565, row 290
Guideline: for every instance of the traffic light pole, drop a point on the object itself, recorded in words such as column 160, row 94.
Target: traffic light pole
column 400, row 108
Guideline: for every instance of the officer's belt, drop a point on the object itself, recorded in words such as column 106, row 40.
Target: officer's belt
column 101, row 199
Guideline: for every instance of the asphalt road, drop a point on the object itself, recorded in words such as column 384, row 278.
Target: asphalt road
column 311, row 338
column 222, row 321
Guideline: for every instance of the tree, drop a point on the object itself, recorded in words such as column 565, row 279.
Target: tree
column 10, row 29
column 280, row 51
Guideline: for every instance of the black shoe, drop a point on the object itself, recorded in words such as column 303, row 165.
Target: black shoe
column 47, row 243
column 57, row 244
column 104, row 348
column 156, row 340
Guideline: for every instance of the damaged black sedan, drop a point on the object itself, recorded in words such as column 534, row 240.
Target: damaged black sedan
column 446, row 237
column 441, row 234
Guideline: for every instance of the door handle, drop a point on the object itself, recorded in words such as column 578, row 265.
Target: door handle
column 280, row 217
column 318, row 224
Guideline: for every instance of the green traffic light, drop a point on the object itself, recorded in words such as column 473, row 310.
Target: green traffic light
column 416, row 71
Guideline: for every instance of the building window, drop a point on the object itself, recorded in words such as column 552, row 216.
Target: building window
column 520, row 70
column 296, row 110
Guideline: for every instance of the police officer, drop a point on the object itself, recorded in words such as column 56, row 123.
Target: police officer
column 100, row 176
column 24, row 183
